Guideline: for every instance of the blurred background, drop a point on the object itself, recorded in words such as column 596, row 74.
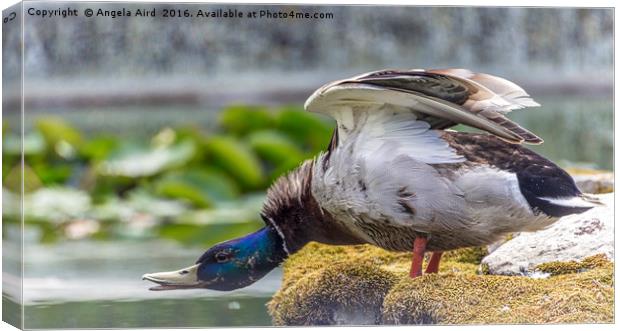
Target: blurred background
column 149, row 139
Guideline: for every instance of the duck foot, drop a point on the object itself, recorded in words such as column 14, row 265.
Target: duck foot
column 419, row 247
column 433, row 264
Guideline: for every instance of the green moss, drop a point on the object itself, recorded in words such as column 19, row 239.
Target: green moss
column 467, row 255
column 348, row 293
column 568, row 267
column 467, row 299
column 584, row 171
column 367, row 285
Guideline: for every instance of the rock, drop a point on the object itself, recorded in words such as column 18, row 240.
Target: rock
column 349, row 294
column 595, row 183
column 362, row 285
column 334, row 285
column 572, row 238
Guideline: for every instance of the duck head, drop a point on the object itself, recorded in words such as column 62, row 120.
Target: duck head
column 229, row 265
column 289, row 212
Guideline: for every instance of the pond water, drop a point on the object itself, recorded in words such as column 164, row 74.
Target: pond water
column 98, row 284
column 577, row 129
column 173, row 313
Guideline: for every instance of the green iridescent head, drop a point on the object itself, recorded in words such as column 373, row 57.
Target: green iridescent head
column 229, row 265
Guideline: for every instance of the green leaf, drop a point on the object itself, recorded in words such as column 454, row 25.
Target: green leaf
column 139, row 202
column 209, row 235
column 134, row 162
column 62, row 138
column 179, row 189
column 236, row 159
column 99, row 148
column 241, row 210
column 306, row 128
column 200, row 187
column 284, row 168
column 50, row 174
column 241, row 120
column 274, row 146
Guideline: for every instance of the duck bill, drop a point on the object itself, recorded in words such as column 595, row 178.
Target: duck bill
column 186, row 278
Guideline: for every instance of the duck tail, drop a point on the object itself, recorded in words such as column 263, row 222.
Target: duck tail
column 592, row 199
column 574, row 204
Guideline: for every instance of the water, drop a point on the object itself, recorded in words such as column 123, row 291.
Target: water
column 577, row 129
column 226, row 311
column 93, row 284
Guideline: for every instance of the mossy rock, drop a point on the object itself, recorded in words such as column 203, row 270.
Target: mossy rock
column 350, row 293
column 467, row 255
column 364, row 284
column 472, row 299
column 569, row 267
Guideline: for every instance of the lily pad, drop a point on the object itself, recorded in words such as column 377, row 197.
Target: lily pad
column 147, row 162
column 33, row 144
column 236, row 159
column 285, row 167
column 62, row 138
column 274, row 146
column 241, row 120
column 51, row 174
column 138, row 202
column 199, row 187
column 99, row 148
column 306, row 128
column 208, row 227
column 56, row 204
column 190, row 234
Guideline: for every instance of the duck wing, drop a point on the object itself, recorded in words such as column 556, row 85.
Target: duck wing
column 437, row 98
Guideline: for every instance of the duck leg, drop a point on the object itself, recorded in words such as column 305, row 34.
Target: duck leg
column 419, row 247
column 433, row 264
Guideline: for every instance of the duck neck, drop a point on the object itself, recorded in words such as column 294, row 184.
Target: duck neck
column 295, row 214
column 266, row 247
column 295, row 224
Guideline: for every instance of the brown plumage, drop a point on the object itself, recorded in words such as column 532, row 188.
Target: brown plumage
column 291, row 208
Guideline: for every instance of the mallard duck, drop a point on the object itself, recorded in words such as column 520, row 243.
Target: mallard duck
column 394, row 176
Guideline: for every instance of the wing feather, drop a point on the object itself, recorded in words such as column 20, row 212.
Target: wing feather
column 442, row 98
column 503, row 88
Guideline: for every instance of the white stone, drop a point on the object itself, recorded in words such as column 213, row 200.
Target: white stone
column 572, row 237
column 595, row 183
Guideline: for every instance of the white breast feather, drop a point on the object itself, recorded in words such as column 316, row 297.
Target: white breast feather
column 385, row 174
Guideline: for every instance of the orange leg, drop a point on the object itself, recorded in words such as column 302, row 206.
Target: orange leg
column 433, row 264
column 419, row 247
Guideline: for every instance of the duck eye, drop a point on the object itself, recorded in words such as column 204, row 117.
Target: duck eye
column 183, row 272
column 222, row 257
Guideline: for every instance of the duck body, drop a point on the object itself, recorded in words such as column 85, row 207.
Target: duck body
column 472, row 203
column 394, row 176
